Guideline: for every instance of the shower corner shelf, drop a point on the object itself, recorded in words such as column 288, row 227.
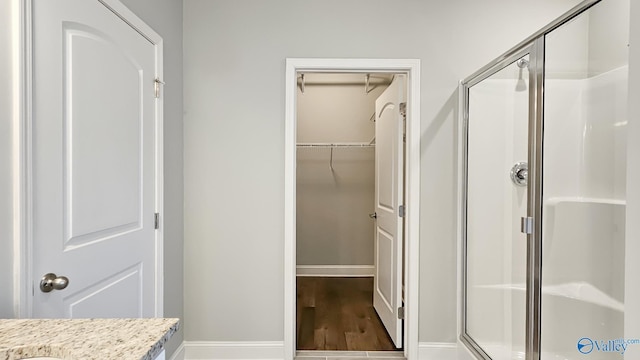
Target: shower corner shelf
column 554, row 201
column 580, row 291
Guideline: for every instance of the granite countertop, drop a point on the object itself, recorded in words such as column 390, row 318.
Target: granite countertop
column 80, row 339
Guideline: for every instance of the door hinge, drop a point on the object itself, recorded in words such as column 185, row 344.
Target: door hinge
column 403, row 113
column 157, row 221
column 156, row 87
column 401, row 211
column 526, row 225
column 401, row 313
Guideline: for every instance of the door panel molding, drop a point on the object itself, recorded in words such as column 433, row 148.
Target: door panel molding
column 131, row 276
column 23, row 154
column 410, row 67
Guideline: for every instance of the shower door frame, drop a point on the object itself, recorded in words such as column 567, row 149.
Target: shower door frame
column 535, row 50
column 535, row 47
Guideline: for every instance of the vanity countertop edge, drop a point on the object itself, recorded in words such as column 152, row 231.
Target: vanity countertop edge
column 80, row 339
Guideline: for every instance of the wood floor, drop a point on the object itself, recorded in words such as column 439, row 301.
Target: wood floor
column 337, row 314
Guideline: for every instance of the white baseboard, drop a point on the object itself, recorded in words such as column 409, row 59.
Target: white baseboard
column 335, row 270
column 179, row 353
column 437, row 351
column 231, row 350
column 274, row 350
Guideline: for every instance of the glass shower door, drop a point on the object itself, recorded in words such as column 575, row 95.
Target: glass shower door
column 495, row 250
column 558, row 292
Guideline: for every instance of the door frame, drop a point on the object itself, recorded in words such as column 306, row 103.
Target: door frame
column 411, row 67
column 23, row 161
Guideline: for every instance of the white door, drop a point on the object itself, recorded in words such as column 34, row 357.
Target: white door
column 94, row 162
column 387, row 294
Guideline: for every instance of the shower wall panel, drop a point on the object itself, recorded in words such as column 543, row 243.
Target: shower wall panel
column 584, row 211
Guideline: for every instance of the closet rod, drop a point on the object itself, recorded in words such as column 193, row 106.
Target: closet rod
column 335, row 145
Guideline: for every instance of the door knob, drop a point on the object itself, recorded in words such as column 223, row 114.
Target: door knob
column 373, row 216
column 51, row 282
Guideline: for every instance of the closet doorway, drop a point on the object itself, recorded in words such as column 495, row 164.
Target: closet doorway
column 349, row 168
column 349, row 229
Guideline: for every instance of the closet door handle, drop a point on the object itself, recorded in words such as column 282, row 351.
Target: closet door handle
column 373, row 216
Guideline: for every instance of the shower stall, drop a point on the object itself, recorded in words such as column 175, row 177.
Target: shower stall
column 543, row 215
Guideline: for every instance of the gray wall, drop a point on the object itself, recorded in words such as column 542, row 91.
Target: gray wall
column 6, row 199
column 234, row 138
column 165, row 17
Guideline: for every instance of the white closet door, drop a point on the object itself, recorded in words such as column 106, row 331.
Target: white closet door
column 387, row 294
